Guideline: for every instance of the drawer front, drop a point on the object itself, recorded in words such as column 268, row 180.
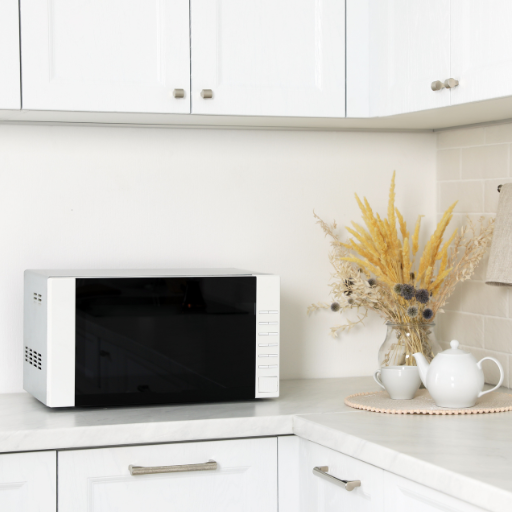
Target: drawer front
column 28, row 482
column 319, row 494
column 402, row 495
column 99, row 480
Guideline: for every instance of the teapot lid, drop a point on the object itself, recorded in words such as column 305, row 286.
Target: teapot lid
column 455, row 350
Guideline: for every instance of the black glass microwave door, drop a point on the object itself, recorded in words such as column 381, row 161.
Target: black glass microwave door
column 165, row 340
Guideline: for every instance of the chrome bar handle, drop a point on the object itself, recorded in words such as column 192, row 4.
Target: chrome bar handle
column 349, row 485
column 211, row 465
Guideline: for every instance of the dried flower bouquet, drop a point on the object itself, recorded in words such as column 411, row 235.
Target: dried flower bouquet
column 378, row 269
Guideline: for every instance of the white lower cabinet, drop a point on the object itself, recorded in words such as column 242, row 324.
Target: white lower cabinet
column 402, row 495
column 302, row 489
column 28, row 482
column 99, row 480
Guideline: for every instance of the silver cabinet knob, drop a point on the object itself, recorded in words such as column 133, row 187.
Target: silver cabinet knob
column 450, row 83
column 178, row 93
column 206, row 94
column 437, row 85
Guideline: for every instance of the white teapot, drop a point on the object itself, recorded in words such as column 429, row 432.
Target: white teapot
column 454, row 379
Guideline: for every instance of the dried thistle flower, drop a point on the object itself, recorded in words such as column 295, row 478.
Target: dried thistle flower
column 398, row 288
column 351, row 301
column 408, row 292
column 427, row 314
column 372, row 282
column 335, row 307
column 422, row 296
column 412, row 311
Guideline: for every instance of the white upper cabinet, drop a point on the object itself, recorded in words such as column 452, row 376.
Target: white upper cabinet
column 105, row 55
column 481, row 47
column 404, row 46
column 268, row 57
column 9, row 55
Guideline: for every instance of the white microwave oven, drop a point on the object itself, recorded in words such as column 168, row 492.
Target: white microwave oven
column 130, row 337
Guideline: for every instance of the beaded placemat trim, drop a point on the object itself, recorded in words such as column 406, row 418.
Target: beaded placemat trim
column 422, row 403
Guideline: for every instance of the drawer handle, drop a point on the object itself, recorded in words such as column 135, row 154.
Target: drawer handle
column 206, row 94
column 211, row 465
column 349, row 485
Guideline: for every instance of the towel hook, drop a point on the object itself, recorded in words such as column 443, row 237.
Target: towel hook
column 499, row 188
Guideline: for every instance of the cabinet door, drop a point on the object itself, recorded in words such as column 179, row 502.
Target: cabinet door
column 269, row 57
column 481, row 47
column 28, row 482
column 9, row 55
column 99, row 480
column 402, row 495
column 409, row 49
column 105, row 55
column 300, row 489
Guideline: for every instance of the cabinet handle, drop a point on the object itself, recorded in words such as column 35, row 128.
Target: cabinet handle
column 437, row 85
column 349, row 485
column 211, row 465
column 178, row 93
column 206, row 94
column 450, row 83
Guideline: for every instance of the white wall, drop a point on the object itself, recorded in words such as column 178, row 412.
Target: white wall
column 471, row 163
column 92, row 197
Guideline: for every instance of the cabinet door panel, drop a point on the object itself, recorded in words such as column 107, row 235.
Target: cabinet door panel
column 316, row 494
column 28, row 482
column 269, row 57
column 98, row 480
column 9, row 55
column 105, row 55
column 409, row 49
column 402, row 495
column 481, row 46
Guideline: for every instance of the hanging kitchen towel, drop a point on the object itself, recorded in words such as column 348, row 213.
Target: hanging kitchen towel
column 499, row 270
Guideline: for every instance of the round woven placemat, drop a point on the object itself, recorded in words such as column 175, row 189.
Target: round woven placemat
column 422, row 403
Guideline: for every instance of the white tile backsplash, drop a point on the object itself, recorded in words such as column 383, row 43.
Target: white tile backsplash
column 478, row 315
column 448, row 164
column 466, row 328
column 484, row 161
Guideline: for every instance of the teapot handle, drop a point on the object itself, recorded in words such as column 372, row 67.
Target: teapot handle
column 479, row 364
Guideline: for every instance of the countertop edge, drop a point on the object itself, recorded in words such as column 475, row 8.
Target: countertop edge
column 144, row 433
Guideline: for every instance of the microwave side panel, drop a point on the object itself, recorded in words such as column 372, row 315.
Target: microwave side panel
column 268, row 336
column 61, row 342
column 35, row 354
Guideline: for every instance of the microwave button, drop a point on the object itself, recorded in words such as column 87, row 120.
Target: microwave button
column 272, row 345
column 263, row 334
column 272, row 355
column 263, row 312
column 272, row 366
column 273, row 323
column 273, row 312
column 263, row 345
column 267, row 384
column 263, row 355
column 263, row 367
column 273, row 333
column 263, row 323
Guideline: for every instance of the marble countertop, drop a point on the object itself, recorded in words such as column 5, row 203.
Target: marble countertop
column 468, row 457
column 28, row 425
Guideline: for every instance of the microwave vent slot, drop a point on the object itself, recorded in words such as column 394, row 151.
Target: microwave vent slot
column 37, row 297
column 34, row 358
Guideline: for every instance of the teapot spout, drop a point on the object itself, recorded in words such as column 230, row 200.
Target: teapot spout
column 423, row 365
